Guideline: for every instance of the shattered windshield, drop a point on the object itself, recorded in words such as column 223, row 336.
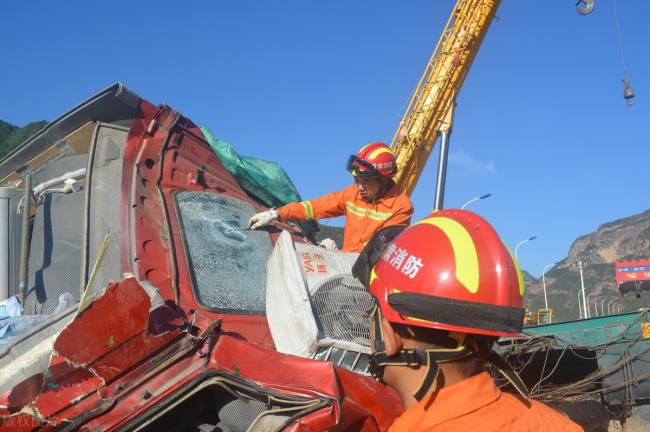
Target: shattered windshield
column 227, row 261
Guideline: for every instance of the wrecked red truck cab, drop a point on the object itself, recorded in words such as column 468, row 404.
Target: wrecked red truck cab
column 137, row 221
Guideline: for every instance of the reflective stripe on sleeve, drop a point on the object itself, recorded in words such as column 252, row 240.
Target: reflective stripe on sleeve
column 366, row 212
column 309, row 210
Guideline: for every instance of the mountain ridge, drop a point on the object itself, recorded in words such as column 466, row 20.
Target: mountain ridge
column 621, row 239
column 11, row 136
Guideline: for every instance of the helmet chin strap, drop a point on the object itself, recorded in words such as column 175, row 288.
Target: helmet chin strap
column 432, row 356
column 413, row 358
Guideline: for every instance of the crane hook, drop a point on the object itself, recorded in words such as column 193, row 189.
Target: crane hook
column 628, row 93
column 585, row 7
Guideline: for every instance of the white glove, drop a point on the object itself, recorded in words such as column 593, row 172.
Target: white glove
column 328, row 244
column 260, row 220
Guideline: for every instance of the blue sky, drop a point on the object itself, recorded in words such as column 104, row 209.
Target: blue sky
column 541, row 122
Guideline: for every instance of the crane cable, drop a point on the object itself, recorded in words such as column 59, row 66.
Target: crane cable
column 620, row 40
column 628, row 93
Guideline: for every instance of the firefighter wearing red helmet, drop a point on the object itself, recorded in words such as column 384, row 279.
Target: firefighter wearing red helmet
column 446, row 288
column 373, row 202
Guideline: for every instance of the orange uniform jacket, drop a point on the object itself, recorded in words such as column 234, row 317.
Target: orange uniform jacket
column 363, row 219
column 476, row 404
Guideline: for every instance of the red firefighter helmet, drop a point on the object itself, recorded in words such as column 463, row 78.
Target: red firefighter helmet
column 373, row 160
column 450, row 271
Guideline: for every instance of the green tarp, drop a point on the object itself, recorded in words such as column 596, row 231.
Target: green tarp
column 262, row 179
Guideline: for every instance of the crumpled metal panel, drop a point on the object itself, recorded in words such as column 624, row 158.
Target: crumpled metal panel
column 357, row 397
column 100, row 330
column 109, row 338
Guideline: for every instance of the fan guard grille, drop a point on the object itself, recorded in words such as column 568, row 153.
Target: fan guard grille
column 341, row 304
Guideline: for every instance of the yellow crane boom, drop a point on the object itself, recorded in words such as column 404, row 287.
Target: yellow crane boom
column 430, row 111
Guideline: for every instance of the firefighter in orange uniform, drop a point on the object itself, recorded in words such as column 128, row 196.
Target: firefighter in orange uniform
column 374, row 201
column 446, row 288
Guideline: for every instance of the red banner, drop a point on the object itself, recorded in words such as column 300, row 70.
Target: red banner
column 628, row 271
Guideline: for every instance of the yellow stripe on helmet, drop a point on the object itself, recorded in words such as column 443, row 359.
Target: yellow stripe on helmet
column 379, row 151
column 465, row 255
column 364, row 147
column 372, row 277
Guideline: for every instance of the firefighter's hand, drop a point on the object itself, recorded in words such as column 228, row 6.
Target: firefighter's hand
column 262, row 219
column 328, row 244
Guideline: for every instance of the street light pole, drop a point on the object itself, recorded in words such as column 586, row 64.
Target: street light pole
column 582, row 284
column 579, row 304
column 475, row 199
column 544, row 283
column 522, row 242
column 619, row 307
column 595, row 307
